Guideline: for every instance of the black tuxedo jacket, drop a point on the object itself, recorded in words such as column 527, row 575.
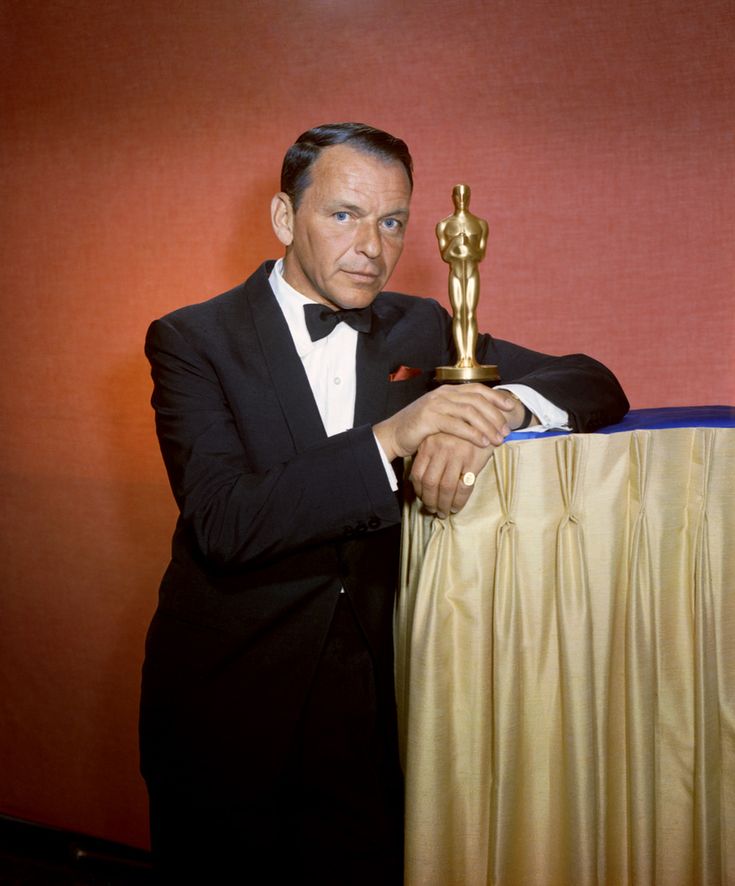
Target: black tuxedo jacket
column 275, row 517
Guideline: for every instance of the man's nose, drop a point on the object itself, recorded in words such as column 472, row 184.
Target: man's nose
column 368, row 240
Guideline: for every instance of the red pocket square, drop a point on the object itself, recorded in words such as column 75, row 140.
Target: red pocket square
column 403, row 373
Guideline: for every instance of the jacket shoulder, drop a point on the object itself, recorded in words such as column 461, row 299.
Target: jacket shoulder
column 394, row 306
column 222, row 305
column 216, row 319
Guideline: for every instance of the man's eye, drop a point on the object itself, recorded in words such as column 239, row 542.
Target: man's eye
column 341, row 216
column 392, row 224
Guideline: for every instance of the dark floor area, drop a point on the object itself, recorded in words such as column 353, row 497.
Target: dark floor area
column 31, row 855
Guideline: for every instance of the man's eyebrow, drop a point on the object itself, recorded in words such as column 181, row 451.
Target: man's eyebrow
column 339, row 205
column 344, row 206
column 403, row 212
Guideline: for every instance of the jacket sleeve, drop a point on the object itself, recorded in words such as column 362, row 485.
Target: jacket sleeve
column 239, row 511
column 584, row 387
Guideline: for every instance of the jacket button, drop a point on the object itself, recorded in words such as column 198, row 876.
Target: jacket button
column 347, row 530
column 373, row 523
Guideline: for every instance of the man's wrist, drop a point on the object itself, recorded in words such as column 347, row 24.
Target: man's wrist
column 524, row 414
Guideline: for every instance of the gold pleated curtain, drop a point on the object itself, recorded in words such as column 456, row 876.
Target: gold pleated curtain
column 566, row 667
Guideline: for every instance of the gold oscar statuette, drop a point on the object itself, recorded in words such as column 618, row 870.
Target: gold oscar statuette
column 462, row 240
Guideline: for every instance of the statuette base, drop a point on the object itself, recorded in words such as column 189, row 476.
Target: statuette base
column 460, row 374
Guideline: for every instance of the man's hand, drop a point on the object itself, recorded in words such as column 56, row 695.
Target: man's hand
column 438, row 468
column 474, row 413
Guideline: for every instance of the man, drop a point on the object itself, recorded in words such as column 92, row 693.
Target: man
column 268, row 730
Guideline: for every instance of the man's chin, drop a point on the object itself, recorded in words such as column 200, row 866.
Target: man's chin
column 356, row 295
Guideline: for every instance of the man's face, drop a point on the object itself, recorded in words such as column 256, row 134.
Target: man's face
column 347, row 234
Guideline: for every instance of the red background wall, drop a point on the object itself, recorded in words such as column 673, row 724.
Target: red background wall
column 141, row 142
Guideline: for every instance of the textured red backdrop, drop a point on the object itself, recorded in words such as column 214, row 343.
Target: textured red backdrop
column 141, row 142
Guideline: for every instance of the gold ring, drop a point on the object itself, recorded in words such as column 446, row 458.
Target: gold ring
column 468, row 479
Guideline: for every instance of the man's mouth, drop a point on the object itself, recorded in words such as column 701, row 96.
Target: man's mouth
column 362, row 276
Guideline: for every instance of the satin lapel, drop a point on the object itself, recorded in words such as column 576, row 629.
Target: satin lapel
column 372, row 366
column 286, row 369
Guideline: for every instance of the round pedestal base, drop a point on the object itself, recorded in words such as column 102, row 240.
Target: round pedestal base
column 460, row 374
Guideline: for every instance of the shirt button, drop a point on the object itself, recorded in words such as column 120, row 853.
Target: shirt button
column 337, row 380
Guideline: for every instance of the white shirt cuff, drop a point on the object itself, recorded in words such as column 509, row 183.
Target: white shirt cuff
column 549, row 416
column 389, row 472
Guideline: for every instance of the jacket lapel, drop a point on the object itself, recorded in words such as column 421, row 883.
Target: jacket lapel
column 284, row 365
column 372, row 367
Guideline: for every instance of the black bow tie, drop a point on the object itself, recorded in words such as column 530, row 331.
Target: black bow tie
column 321, row 320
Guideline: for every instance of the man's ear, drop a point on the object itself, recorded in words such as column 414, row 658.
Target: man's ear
column 282, row 217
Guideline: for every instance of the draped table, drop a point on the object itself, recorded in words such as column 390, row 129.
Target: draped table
column 565, row 662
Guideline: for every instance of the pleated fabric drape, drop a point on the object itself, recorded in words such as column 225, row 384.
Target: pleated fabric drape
column 566, row 667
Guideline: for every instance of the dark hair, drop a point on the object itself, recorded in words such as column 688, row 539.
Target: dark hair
column 295, row 172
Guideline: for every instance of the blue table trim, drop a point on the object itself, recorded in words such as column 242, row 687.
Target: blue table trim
column 655, row 419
